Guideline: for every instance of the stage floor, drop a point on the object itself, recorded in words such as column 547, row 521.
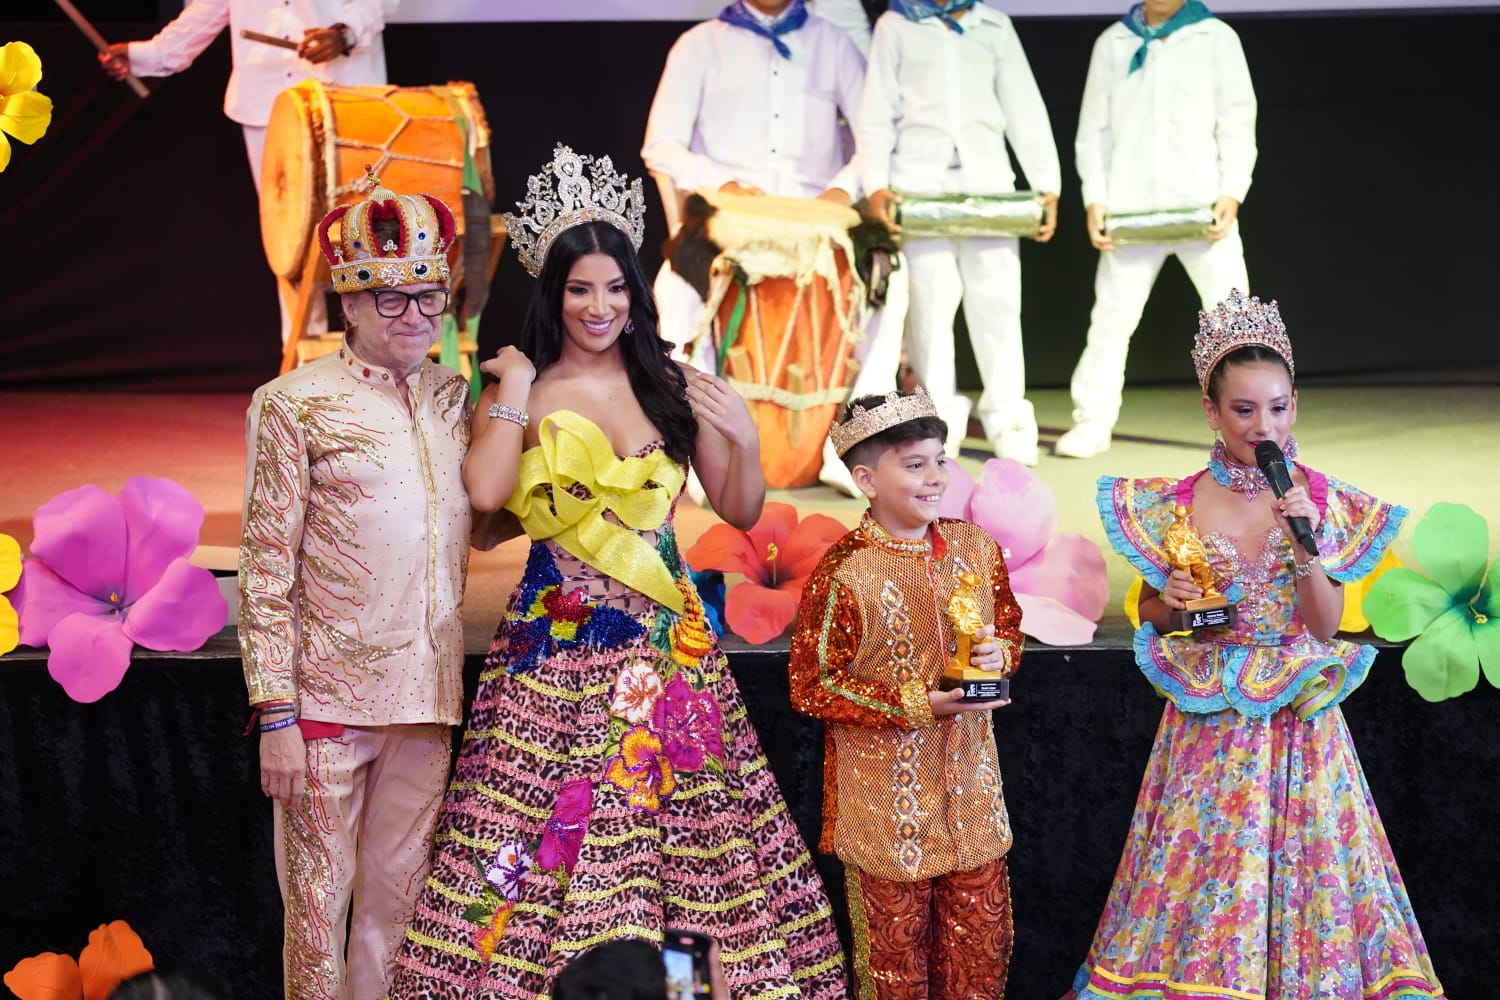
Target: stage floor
column 1415, row 446
column 1411, row 445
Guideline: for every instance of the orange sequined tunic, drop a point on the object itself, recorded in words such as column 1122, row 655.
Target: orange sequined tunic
column 905, row 796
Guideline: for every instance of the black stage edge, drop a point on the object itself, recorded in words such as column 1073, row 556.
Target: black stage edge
column 146, row 806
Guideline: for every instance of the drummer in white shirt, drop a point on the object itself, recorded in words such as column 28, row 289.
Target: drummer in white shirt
column 749, row 103
column 948, row 84
column 1168, row 122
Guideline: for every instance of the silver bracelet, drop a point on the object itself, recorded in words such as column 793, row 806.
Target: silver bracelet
column 1303, row 570
column 515, row 416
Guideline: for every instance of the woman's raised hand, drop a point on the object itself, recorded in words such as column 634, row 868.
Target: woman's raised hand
column 509, row 362
column 714, row 402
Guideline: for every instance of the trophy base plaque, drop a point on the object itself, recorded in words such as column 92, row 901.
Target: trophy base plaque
column 977, row 685
column 1202, row 614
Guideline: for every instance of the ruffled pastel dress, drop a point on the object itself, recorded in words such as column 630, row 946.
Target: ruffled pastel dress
column 610, row 784
column 1256, row 865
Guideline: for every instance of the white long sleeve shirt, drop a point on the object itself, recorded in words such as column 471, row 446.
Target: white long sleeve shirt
column 1178, row 132
column 730, row 108
column 261, row 71
column 849, row 15
column 935, row 99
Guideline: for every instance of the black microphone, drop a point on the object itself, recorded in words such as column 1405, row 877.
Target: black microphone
column 1273, row 463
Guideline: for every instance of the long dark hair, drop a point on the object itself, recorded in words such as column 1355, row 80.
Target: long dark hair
column 656, row 380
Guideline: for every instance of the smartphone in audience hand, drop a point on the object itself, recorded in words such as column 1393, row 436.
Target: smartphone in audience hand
column 685, row 954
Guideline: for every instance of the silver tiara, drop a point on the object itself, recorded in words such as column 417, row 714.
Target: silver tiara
column 570, row 190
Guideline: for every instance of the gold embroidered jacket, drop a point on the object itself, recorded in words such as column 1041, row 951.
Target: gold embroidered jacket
column 356, row 542
column 905, row 796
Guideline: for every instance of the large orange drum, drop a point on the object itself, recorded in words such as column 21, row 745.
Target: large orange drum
column 321, row 136
column 786, row 307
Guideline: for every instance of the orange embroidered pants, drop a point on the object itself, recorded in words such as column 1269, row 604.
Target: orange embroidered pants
column 945, row 938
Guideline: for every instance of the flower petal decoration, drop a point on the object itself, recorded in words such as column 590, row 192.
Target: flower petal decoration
column 10, row 575
column 1353, row 619
column 689, row 724
column 759, row 614
column 776, row 556
column 1062, row 626
column 48, row 976
column 114, row 953
column 1454, row 615
column 1016, row 507
column 108, row 572
column 637, row 688
column 1060, row 580
column 562, row 838
column 24, row 113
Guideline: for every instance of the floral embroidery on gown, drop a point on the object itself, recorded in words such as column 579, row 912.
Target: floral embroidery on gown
column 610, row 783
column 1256, row 865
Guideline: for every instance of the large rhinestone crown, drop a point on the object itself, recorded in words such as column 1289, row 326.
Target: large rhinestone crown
column 897, row 408
column 419, row 230
column 1238, row 321
column 572, row 189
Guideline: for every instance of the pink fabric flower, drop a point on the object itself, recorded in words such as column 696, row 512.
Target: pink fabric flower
column 108, row 572
column 776, row 556
column 689, row 725
column 562, row 838
column 1059, row 580
column 637, row 689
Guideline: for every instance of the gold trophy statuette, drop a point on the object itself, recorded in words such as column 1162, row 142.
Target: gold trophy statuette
column 965, row 619
column 1185, row 551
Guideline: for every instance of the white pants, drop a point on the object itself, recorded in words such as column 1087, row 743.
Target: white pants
column 681, row 310
column 985, row 276
column 359, row 837
column 879, row 355
column 1122, row 284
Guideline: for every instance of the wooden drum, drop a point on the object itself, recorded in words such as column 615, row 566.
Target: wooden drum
column 321, row 136
column 786, row 307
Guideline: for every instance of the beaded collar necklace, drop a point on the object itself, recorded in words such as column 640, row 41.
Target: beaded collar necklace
column 1246, row 480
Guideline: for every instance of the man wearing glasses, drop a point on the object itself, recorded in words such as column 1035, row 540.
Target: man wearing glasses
column 356, row 529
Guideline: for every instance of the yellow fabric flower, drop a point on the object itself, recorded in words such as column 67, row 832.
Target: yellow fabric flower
column 24, row 113
column 10, row 574
column 1354, row 620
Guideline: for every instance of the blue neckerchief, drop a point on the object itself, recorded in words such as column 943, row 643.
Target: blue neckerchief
column 920, row 10
column 794, row 17
column 1189, row 13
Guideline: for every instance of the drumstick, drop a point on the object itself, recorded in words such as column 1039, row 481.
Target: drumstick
column 256, row 36
column 99, row 43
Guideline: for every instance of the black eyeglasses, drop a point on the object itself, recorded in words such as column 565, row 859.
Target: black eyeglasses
column 391, row 303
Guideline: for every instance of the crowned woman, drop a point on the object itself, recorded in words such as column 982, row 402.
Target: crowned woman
column 1256, row 864
column 610, row 784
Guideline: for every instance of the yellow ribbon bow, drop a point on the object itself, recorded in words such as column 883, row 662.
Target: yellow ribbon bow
column 573, row 450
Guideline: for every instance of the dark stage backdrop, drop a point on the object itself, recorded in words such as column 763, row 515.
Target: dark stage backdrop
column 146, row 807
column 131, row 248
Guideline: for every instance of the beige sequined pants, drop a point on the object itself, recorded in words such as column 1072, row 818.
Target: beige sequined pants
column 360, row 836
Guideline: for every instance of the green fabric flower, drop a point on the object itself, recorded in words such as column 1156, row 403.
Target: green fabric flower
column 1455, row 615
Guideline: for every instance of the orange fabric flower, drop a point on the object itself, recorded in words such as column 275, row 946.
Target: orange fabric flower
column 642, row 769
column 776, row 557
column 487, row 938
column 114, row 953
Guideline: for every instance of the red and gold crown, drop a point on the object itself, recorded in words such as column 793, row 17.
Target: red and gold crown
column 1239, row 321
column 417, row 251
column 898, row 408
